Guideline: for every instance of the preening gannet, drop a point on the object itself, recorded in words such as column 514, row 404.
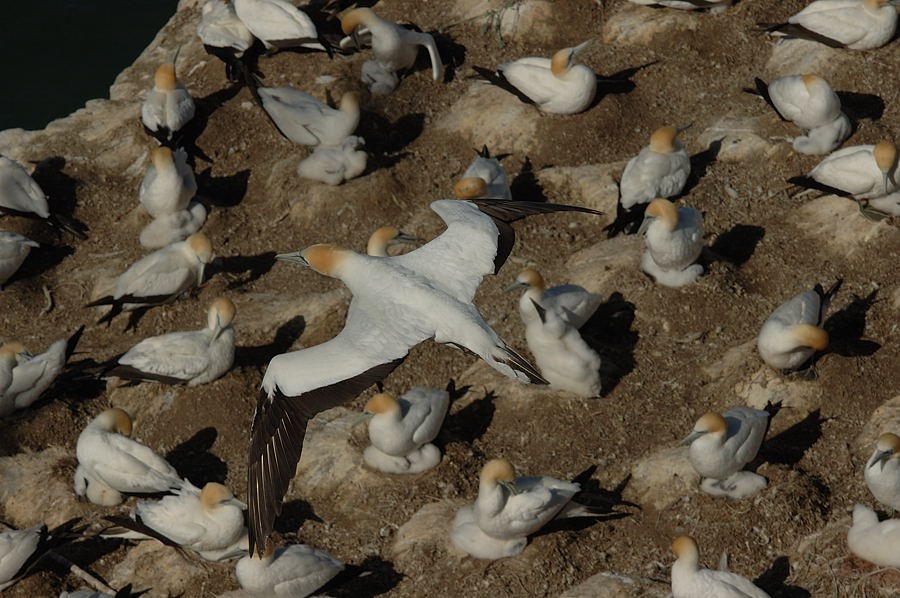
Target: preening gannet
column 398, row 302
column 659, row 170
column 168, row 184
column 572, row 303
column 292, row 571
column 305, row 120
column 690, row 581
column 487, row 169
column 863, row 171
column 278, row 24
column 874, row 541
column 14, row 250
column 32, row 375
column 854, row 24
column 674, row 239
column 168, row 105
column 882, row 473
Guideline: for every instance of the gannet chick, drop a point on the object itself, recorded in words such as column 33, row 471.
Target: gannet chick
column 292, row 571
column 863, row 171
column 333, row 165
column 395, row 47
column 159, row 277
column 488, row 170
column 224, row 35
column 853, row 24
column 168, row 184
column 882, row 473
column 398, row 302
column 793, row 333
column 690, row 581
column 305, row 120
column 167, row 107
column 174, row 227
column 384, row 237
column 20, row 195
column 878, row 543
column 194, row 357
column 674, row 239
column 14, row 250
column 572, row 303
column 278, row 24
column 659, row 170
column 714, row 6
column 556, row 85
column 401, row 430
column 34, row 374
column 720, row 447
column 116, row 464
column 508, row 509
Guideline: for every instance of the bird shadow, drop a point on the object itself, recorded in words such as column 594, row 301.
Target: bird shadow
column 846, row 328
column 609, row 333
column 469, row 423
column 41, row 259
column 700, row 163
column 60, row 189
column 224, row 191
column 385, row 141
column 192, row 459
column 245, row 268
column 618, row 83
column 293, row 514
column 82, row 553
column 373, row 577
column 260, row 355
column 773, row 579
column 601, row 502
column 526, row 186
column 861, row 105
column 737, row 244
column 788, row 446
column 204, row 108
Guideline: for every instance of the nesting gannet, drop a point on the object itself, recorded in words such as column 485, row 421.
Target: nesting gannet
column 384, row 237
column 556, row 85
column 395, row 47
column 333, row 165
column 854, row 24
column 291, row 571
column 110, row 463
column 690, row 581
column 714, row 6
column 509, row 508
column 401, row 430
column 21, row 549
column 22, row 196
column 398, row 302
column 168, row 105
column 572, row 303
column 193, row 357
column 494, row 182
column 8, row 361
column 14, row 249
column 674, row 239
column 659, row 170
column 863, row 171
column 305, row 120
column 159, row 277
column 722, row 444
column 278, row 24
column 168, row 184
column 882, row 473
column 793, row 333
column 174, row 227
column 224, row 35
column 874, row 541
column 34, row 374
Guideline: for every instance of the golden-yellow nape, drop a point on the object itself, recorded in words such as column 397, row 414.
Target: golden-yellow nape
column 532, row 278
column 164, row 78
column 470, row 188
column 382, row 402
column 497, row 470
column 662, row 140
column 323, row 257
column 684, row 546
column 711, row 422
column 810, row 336
column 213, row 494
column 664, row 210
column 885, row 153
column 357, row 17
column 201, row 246
column 223, row 310
column 889, row 442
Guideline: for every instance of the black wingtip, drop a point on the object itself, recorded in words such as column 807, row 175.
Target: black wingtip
column 72, row 342
column 542, row 313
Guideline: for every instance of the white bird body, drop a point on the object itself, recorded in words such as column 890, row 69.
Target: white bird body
column 33, row 375
column 308, row 121
column 714, row 6
column 806, row 100
column 674, row 240
column 889, row 204
column 168, row 184
column 220, row 27
column 856, row 24
column 721, row 445
column 7, row 363
column 793, row 332
column 106, row 454
column 856, row 170
column 825, row 138
column 291, row 571
column 333, row 165
column 404, row 426
column 174, row 227
column 277, row 23
column 16, row 547
column 19, row 192
column 882, row 472
column 874, row 541
column 168, row 105
column 659, row 170
column 14, row 250
column 690, row 581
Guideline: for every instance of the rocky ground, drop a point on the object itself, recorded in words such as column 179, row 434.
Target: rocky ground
column 669, row 354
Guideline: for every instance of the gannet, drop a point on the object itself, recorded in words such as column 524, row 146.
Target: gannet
column 278, row 24
column 714, row 6
column 488, row 170
column 8, row 354
column 110, row 463
column 168, row 105
column 874, row 541
column 305, row 120
column 854, row 24
column 720, row 447
column 168, row 184
column 224, row 35
column 292, row 571
column 690, row 581
column 793, row 333
column 395, row 47
column 888, row 205
column 174, row 227
column 509, row 508
column 14, row 250
column 401, row 430
column 333, row 165
column 863, row 171
column 556, row 85
column 659, row 170
column 22, row 196
column 21, row 549
column 159, row 277
column 572, row 303
column 674, row 239
column 34, row 374
column 193, row 357
column 384, row 237
column 398, row 302
column 882, row 473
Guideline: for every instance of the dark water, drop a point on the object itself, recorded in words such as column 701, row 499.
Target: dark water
column 57, row 54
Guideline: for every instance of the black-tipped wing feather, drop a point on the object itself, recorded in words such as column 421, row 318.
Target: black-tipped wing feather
column 798, row 31
column 496, row 78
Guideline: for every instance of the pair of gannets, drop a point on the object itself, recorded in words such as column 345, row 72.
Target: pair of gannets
column 168, row 106
column 401, row 430
column 398, row 302
column 193, row 357
column 552, row 318
column 224, row 35
column 556, row 85
column 14, row 250
column 854, row 24
column 166, row 191
column 882, row 473
column 483, row 178
column 508, row 509
column 674, row 238
column 292, row 571
column 809, row 102
column 690, row 581
column 25, row 377
column 722, row 444
column 278, row 24
column 714, row 6
column 793, row 333
column 20, row 195
column 21, row 549
column 874, row 541
column 659, row 170
column 110, row 463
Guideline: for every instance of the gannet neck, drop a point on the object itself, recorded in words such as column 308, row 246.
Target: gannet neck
column 885, row 153
column 685, row 548
column 213, row 494
column 807, row 335
column 496, row 471
column 325, row 258
column 113, row 420
column 350, row 103
column 162, row 159
column 383, row 402
column 711, row 422
column 470, row 188
column 164, row 79
column 360, row 17
column 665, row 211
column 200, row 245
column 662, row 141
column 379, row 241
column 221, row 314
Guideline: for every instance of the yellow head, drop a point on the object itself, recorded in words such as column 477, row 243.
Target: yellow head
column 350, row 102
column 359, row 17
column 685, row 547
column 664, row 210
column 201, row 246
column 324, row 257
column 214, row 494
column 885, row 153
column 496, row 471
column 382, row 403
column 711, row 422
column 532, row 278
column 889, row 442
column 164, row 79
column 471, row 187
column 810, row 336
column 161, row 158
column 221, row 313
column 563, row 60
column 11, row 349
column 662, row 141
column 114, row 420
